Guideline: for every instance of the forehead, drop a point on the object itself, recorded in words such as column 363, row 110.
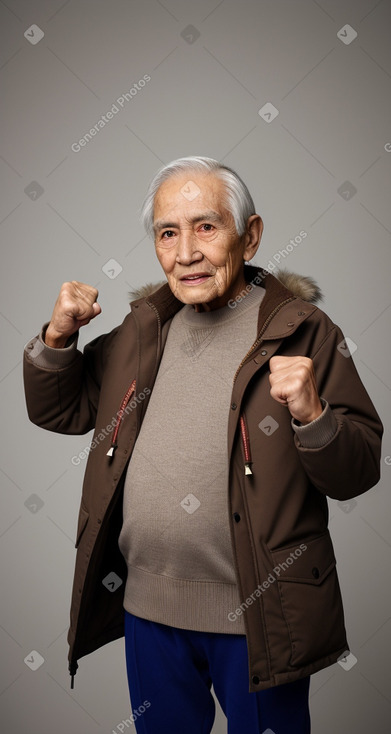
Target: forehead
column 189, row 192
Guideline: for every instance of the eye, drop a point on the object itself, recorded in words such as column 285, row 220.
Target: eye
column 168, row 231
column 207, row 225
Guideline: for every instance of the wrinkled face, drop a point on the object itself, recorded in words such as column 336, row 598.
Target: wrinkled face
column 197, row 243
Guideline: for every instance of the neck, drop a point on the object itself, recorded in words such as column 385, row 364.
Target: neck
column 235, row 289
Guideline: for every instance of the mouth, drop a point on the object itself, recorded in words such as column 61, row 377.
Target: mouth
column 195, row 278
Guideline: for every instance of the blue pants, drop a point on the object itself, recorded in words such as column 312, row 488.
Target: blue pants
column 170, row 673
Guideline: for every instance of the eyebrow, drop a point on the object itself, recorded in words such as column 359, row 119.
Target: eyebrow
column 211, row 216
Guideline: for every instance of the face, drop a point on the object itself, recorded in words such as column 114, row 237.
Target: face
column 197, row 243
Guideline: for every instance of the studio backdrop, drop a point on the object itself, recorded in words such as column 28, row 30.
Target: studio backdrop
column 96, row 96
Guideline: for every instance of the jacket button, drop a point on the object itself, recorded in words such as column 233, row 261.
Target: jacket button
column 233, row 406
column 236, row 517
column 264, row 352
column 301, row 313
column 290, row 323
column 315, row 572
column 256, row 680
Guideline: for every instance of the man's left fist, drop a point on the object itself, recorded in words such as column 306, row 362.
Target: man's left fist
column 292, row 383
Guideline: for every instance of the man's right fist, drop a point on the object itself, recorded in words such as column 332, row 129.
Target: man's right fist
column 76, row 305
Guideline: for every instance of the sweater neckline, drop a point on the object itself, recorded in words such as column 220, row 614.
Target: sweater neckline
column 222, row 315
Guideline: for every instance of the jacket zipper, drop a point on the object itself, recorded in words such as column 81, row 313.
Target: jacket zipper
column 246, row 445
column 125, row 400
column 242, row 419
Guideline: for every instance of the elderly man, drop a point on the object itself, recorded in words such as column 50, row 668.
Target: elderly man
column 225, row 408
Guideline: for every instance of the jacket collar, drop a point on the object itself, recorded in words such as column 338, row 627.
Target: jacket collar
column 287, row 301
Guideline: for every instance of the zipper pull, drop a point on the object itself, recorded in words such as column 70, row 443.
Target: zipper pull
column 73, row 666
column 111, row 450
column 247, row 468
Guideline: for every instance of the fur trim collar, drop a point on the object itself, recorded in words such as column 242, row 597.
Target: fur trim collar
column 302, row 286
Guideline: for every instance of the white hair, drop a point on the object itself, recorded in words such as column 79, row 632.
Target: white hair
column 238, row 199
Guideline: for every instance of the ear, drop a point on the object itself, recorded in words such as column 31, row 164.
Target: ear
column 252, row 236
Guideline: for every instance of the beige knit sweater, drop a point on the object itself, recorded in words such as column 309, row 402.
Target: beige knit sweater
column 175, row 535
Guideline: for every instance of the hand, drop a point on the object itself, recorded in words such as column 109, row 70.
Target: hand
column 76, row 305
column 292, row 381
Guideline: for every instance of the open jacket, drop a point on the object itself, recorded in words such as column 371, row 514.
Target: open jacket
column 277, row 490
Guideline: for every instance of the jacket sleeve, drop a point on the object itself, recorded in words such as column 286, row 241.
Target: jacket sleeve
column 348, row 464
column 62, row 386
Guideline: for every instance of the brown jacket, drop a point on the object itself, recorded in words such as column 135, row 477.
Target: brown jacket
column 276, row 498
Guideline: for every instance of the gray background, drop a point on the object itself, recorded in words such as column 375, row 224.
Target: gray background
column 206, row 88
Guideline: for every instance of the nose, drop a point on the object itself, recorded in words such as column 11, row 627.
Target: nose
column 187, row 251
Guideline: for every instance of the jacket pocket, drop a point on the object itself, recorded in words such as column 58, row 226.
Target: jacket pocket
column 310, row 599
column 81, row 524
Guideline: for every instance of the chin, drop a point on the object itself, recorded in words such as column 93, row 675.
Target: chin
column 189, row 300
column 193, row 295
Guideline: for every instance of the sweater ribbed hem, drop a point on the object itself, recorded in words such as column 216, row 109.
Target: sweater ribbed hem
column 204, row 605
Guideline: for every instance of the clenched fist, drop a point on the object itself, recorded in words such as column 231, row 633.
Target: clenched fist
column 292, row 381
column 76, row 305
